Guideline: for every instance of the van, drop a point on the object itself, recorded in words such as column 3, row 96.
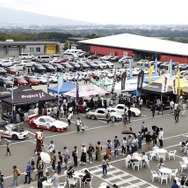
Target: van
column 43, row 58
column 26, row 56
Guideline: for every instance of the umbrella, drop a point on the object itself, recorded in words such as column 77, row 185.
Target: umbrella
column 45, row 157
column 154, row 127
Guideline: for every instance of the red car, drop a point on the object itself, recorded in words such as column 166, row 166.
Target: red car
column 11, row 70
column 62, row 60
column 93, row 57
column 32, row 80
column 20, row 81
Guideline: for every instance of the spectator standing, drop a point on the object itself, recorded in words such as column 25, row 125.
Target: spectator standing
column 66, row 156
column 78, row 124
column 148, row 139
column 16, row 173
column 124, row 120
column 40, row 169
column 140, row 103
column 116, row 146
column 129, row 115
column 161, row 137
column 69, row 117
column 153, row 109
column 176, row 114
column 55, row 180
column 75, row 156
column 53, row 158
column 83, row 127
column 90, row 152
column 98, row 151
column 59, row 167
column 60, row 157
column 124, row 146
column 140, row 137
column 8, row 150
column 51, row 147
column 33, row 168
column 28, row 173
column 83, row 154
column 184, row 107
column 144, row 128
column 175, row 185
column 1, row 181
column 105, row 165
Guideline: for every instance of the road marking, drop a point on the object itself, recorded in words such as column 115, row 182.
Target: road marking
column 7, row 140
column 31, row 133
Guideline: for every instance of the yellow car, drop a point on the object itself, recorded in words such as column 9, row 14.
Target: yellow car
column 143, row 61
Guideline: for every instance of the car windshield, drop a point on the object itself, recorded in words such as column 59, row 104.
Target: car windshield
column 15, row 128
column 50, row 120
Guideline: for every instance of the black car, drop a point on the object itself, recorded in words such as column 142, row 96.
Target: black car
column 48, row 67
column 115, row 58
column 58, row 67
column 38, row 68
column 92, row 65
column 75, row 65
column 6, row 82
column 83, row 65
column 68, row 66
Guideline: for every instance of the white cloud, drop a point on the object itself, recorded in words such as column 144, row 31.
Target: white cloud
column 108, row 11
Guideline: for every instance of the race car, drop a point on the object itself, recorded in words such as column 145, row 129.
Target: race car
column 122, row 109
column 102, row 113
column 13, row 131
column 48, row 123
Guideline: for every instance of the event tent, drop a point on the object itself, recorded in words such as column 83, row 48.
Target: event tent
column 103, row 82
column 29, row 97
column 67, row 86
column 87, row 90
column 4, row 93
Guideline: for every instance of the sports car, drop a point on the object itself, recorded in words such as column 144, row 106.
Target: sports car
column 13, row 131
column 48, row 123
column 121, row 109
column 102, row 113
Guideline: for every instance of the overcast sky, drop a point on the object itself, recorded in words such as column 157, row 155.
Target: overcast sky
column 108, row 11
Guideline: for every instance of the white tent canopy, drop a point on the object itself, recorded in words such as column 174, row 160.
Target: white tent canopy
column 87, row 90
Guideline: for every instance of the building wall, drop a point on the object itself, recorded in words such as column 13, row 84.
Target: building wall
column 179, row 59
column 12, row 51
column 34, row 49
column 107, row 50
column 2, row 52
column 51, row 49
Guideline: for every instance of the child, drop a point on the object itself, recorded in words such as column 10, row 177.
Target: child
column 8, row 150
column 83, row 128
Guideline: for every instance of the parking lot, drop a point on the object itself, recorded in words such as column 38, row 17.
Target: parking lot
column 100, row 130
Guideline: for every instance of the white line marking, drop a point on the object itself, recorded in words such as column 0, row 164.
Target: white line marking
column 31, row 133
column 7, row 140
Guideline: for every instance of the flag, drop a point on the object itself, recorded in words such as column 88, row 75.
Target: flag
column 156, row 66
column 48, row 82
column 164, row 84
column 114, row 82
column 60, row 82
column 123, row 80
column 130, row 69
column 170, row 67
column 150, row 72
column 77, row 91
column 178, row 81
column 140, row 79
column 143, row 65
column 174, row 85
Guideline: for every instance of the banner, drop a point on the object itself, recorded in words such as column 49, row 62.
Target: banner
column 150, row 72
column 130, row 69
column 114, row 82
column 140, row 79
column 178, row 74
column 60, row 82
column 174, row 86
column 123, row 80
column 164, row 84
column 77, row 91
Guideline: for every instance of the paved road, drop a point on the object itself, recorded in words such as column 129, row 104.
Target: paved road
column 100, row 131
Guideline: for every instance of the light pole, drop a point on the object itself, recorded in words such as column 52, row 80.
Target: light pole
column 12, row 118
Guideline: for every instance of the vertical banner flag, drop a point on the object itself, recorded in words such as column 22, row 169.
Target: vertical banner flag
column 174, row 85
column 114, row 81
column 170, row 68
column 123, row 80
column 164, row 84
column 178, row 81
column 60, row 82
column 150, row 72
column 156, row 66
column 130, row 69
column 48, row 82
column 140, row 79
column 143, row 65
column 77, row 91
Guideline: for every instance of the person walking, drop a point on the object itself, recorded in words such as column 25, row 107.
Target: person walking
column 69, row 118
column 153, row 109
column 129, row 115
column 28, row 173
column 8, row 150
column 176, row 115
column 51, row 147
column 105, row 165
column 148, row 139
column 16, row 174
column 161, row 137
column 90, row 152
column 124, row 146
column 75, row 156
column 144, row 128
column 116, row 146
column 78, row 124
column 1, row 181
column 53, row 158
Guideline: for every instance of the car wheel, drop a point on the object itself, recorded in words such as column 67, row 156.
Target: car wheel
column 33, row 126
column 133, row 114
column 92, row 117
column 53, row 129
column 114, row 118
column 14, row 137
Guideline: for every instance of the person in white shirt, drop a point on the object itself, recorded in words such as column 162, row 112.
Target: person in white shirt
column 51, row 147
column 160, row 137
column 184, row 107
column 69, row 118
column 78, row 124
column 55, row 180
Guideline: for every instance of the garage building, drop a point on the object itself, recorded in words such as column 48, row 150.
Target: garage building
column 140, row 47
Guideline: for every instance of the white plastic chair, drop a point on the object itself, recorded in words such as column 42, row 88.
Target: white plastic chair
column 181, row 147
column 152, row 155
column 164, row 177
column 154, row 175
column 88, row 181
column 183, row 166
column 103, row 184
column 173, row 174
column 62, row 185
column 172, row 154
column 161, row 156
column 72, row 181
column 136, row 164
column 127, row 163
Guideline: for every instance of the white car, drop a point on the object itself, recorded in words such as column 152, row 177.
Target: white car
column 27, row 63
column 108, row 64
column 13, row 131
column 122, row 109
column 18, row 66
column 102, row 113
column 48, row 123
column 42, row 79
column 53, row 78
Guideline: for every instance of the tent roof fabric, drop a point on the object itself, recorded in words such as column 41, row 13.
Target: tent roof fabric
column 155, row 88
column 4, row 93
column 137, row 42
column 29, row 97
column 67, row 86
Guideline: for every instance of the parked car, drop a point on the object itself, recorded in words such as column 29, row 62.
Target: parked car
column 106, row 57
column 26, row 56
column 115, row 58
column 48, row 123
column 122, row 109
column 93, row 57
column 20, row 81
column 18, row 66
column 53, row 78
column 58, row 67
column 103, row 113
column 6, row 82
column 48, row 67
column 75, row 65
column 13, row 131
column 92, row 65
column 125, row 59
column 108, row 64
column 5, row 63
column 42, row 79
column 11, row 70
column 32, row 79
column 2, row 71
column 26, row 63
column 100, row 64
column 145, row 61
column 68, row 66
column 84, row 65
column 38, row 68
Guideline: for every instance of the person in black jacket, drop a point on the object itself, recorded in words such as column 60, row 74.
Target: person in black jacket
column 86, row 176
column 43, row 178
